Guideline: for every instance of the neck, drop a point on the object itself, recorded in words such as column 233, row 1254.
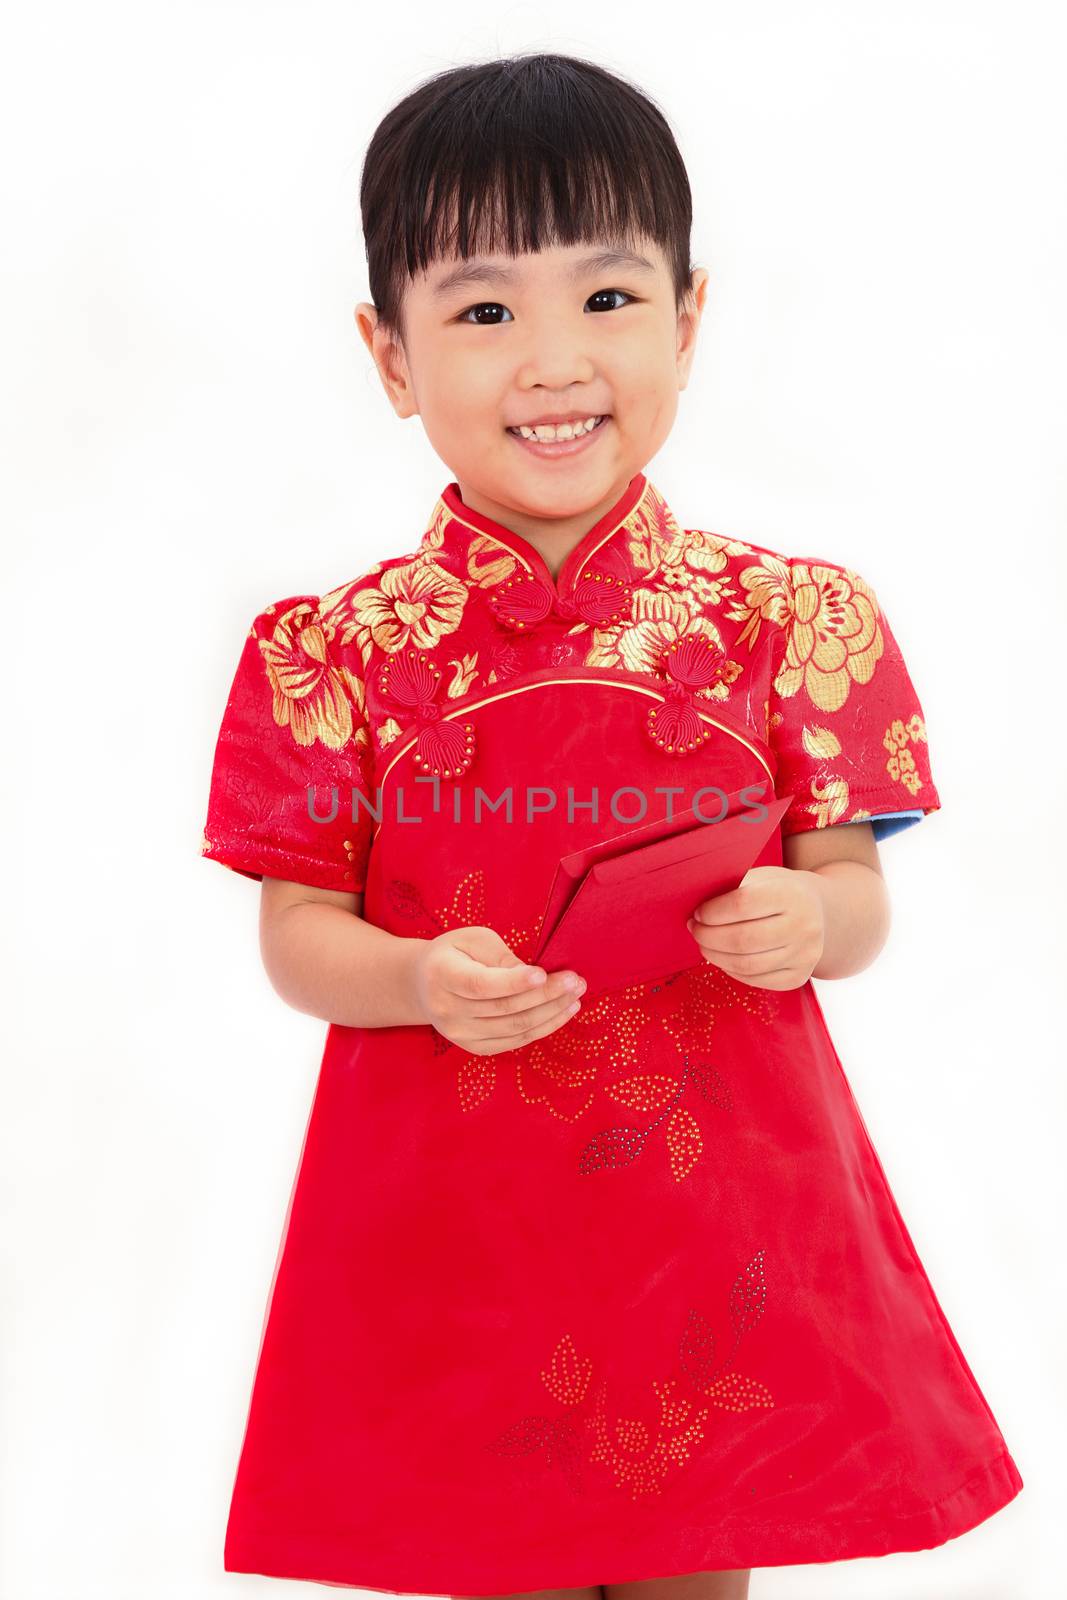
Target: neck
column 552, row 537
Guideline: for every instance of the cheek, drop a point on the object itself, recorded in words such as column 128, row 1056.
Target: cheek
column 465, row 393
column 640, row 375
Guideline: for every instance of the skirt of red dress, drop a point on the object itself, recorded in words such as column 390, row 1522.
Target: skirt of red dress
column 552, row 1319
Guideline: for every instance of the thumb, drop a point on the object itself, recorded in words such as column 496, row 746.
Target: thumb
column 485, row 946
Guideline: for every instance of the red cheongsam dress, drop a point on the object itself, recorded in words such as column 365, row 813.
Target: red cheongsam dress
column 634, row 1299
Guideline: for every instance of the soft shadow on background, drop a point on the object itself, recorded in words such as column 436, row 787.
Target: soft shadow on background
column 193, row 429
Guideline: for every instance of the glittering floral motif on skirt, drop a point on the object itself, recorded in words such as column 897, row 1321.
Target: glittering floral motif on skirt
column 583, row 1430
column 601, row 1050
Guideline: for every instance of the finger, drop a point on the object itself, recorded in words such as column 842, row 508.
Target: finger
column 724, row 953
column 468, row 978
column 737, row 908
column 495, row 1044
column 780, row 978
column 749, row 967
column 738, row 948
column 739, row 938
column 559, row 986
column 753, row 897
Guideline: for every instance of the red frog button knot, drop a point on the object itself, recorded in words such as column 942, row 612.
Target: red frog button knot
column 444, row 747
column 692, row 662
column 521, row 602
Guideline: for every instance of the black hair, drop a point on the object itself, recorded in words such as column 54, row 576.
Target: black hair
column 513, row 155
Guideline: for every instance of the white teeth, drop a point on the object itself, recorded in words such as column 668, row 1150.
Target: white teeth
column 566, row 430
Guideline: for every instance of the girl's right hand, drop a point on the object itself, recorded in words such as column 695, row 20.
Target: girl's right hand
column 475, row 991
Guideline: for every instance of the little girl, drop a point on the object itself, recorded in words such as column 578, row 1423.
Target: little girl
column 575, row 1296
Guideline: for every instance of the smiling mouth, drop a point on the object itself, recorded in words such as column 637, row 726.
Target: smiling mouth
column 575, row 438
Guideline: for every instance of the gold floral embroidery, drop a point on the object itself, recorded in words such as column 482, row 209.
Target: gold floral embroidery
column 415, row 605
column 829, row 801
column 489, row 563
column 705, row 591
column 820, row 743
column 654, row 537
column 641, row 1455
column 657, row 620
column 901, row 764
column 830, row 793
column 835, row 639
column 703, row 552
column 310, row 697
column 698, row 563
column 768, row 598
column 434, row 537
column 830, row 614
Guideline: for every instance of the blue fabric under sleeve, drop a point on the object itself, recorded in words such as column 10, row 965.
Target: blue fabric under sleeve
column 887, row 822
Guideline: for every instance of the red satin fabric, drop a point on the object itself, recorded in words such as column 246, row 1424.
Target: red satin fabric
column 634, row 1300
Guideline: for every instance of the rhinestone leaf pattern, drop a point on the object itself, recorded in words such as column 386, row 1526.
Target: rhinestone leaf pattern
column 583, row 1430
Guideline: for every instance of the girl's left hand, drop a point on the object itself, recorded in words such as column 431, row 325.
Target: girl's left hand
column 769, row 932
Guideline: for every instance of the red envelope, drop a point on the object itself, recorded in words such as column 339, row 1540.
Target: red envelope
column 572, row 868
column 617, row 911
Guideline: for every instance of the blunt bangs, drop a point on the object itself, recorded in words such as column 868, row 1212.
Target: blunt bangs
column 517, row 155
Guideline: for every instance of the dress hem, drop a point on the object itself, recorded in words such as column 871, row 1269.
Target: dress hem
column 752, row 1543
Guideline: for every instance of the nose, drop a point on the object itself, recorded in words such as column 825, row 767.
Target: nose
column 555, row 358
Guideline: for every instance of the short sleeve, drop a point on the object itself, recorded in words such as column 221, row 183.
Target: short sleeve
column 291, row 791
column 844, row 720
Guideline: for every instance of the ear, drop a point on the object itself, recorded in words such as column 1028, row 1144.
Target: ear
column 689, row 324
column 389, row 359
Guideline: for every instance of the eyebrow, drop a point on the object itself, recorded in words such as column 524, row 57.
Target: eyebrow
column 486, row 272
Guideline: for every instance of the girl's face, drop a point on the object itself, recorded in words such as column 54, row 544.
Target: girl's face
column 570, row 331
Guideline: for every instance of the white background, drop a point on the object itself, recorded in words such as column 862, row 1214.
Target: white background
column 193, row 429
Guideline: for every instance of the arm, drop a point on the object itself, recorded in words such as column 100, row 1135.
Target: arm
column 314, row 942
column 841, row 866
column 823, row 914
column 324, row 959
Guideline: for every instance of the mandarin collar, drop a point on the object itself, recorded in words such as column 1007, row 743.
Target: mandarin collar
column 532, row 559
column 595, row 580
column 619, row 554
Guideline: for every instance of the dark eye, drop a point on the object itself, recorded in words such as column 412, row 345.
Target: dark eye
column 600, row 293
column 484, row 305
column 472, row 316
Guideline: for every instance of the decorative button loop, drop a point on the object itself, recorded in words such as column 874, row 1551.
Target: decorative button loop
column 523, row 601
column 444, row 748
column 692, row 662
